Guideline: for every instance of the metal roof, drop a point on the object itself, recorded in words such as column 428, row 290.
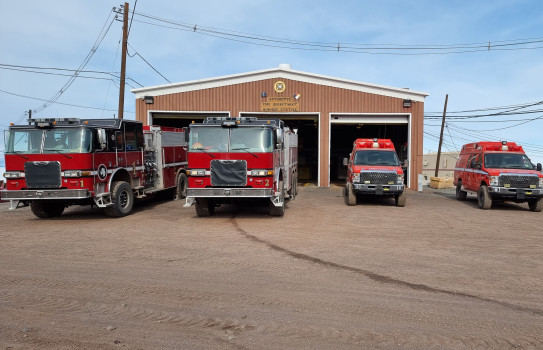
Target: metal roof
column 282, row 72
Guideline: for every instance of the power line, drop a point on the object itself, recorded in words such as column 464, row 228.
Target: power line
column 149, row 64
column 381, row 49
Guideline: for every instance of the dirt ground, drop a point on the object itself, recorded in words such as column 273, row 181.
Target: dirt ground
column 437, row 274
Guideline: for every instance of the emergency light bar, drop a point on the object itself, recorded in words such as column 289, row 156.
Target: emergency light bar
column 44, row 122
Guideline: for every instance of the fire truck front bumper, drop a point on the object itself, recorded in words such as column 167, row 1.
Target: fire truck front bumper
column 378, row 190
column 223, row 193
column 24, row 195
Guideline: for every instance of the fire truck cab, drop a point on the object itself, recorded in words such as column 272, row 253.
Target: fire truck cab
column 54, row 163
column 498, row 171
column 373, row 169
column 234, row 159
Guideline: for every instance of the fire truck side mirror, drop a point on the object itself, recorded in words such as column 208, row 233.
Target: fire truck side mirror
column 538, row 167
column 405, row 163
column 279, row 138
column 102, row 138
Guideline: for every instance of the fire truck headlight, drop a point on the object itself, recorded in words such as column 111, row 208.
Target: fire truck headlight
column 197, row 172
column 400, row 178
column 356, row 177
column 261, row 172
column 12, row 175
column 541, row 182
column 494, row 180
column 72, row 173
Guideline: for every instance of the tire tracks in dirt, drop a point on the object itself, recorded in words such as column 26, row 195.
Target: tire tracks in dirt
column 379, row 277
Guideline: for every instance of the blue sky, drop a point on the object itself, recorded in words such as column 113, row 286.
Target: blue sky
column 61, row 33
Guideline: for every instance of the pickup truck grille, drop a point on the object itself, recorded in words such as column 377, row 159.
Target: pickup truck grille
column 42, row 175
column 518, row 181
column 226, row 173
column 378, row 177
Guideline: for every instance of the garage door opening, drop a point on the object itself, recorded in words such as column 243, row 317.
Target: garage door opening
column 342, row 137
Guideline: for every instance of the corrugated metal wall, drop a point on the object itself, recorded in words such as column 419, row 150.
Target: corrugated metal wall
column 246, row 97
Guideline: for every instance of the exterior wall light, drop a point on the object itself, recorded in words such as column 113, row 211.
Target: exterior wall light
column 150, row 100
column 407, row 103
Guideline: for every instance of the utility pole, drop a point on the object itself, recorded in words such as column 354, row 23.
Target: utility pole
column 123, row 61
column 441, row 135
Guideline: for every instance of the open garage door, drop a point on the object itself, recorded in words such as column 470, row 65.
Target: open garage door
column 180, row 119
column 307, row 126
column 344, row 129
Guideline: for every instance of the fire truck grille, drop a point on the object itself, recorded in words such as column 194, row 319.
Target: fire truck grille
column 378, row 177
column 518, row 181
column 42, row 174
column 226, row 173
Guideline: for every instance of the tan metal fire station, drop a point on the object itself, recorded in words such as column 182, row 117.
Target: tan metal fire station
column 328, row 113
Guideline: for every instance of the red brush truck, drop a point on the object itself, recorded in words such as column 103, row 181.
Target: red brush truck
column 374, row 169
column 232, row 159
column 54, row 163
column 498, row 171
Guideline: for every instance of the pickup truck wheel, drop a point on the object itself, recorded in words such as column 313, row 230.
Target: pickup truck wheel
column 181, row 186
column 204, row 207
column 483, row 198
column 350, row 196
column 460, row 195
column 47, row 209
column 122, row 198
column 536, row 205
column 401, row 199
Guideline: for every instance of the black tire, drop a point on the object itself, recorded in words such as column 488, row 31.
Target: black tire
column 350, row 196
column 280, row 210
column 204, row 207
column 536, row 205
column 483, row 198
column 122, row 198
column 460, row 195
column 181, row 186
column 47, row 209
column 401, row 199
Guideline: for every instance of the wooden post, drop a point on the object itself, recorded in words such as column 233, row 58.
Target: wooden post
column 123, row 61
column 441, row 135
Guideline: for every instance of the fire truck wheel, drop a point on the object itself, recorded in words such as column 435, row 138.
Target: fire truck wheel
column 536, row 205
column 122, row 198
column 204, row 207
column 483, row 197
column 460, row 195
column 401, row 199
column 47, row 209
column 350, row 196
column 181, row 188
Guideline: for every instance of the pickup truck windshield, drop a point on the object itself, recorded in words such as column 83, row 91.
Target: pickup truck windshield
column 240, row 139
column 58, row 140
column 507, row 161
column 376, row 157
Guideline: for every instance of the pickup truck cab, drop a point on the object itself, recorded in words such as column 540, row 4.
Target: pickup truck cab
column 373, row 169
column 498, row 171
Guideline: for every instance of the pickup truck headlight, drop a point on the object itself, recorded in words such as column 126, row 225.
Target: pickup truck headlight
column 356, row 177
column 399, row 180
column 494, row 180
column 541, row 182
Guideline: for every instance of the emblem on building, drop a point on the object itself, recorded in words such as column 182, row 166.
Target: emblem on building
column 279, row 86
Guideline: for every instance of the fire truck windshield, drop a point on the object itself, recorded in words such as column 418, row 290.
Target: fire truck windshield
column 376, row 157
column 508, row 161
column 240, row 139
column 57, row 140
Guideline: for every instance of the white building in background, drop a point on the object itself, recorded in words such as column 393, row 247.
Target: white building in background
column 447, row 163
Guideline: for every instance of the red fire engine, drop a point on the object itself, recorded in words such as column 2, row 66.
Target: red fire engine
column 54, row 163
column 498, row 171
column 374, row 169
column 231, row 159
